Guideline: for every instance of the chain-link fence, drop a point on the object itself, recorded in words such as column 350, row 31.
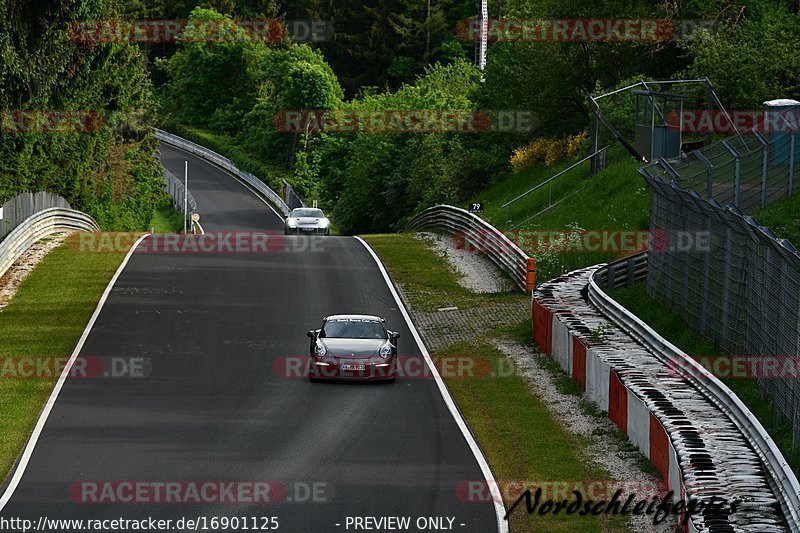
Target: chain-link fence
column 24, row 205
column 175, row 189
column 733, row 280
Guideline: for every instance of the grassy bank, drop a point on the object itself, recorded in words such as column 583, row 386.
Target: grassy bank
column 782, row 217
column 45, row 319
column 518, row 435
column 166, row 219
column 615, row 199
column 672, row 327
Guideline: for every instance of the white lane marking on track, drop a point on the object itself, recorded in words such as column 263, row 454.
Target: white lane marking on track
column 242, row 183
column 51, row 401
column 499, row 508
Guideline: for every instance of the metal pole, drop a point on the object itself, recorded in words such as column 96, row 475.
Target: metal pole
column 764, row 158
column 484, row 35
column 185, row 193
column 791, row 163
column 595, row 142
column 737, row 171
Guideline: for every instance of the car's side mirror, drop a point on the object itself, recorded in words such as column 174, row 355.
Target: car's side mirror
column 394, row 335
column 311, row 334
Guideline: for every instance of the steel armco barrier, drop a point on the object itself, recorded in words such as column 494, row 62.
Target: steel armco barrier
column 483, row 237
column 226, row 164
column 38, row 226
column 780, row 475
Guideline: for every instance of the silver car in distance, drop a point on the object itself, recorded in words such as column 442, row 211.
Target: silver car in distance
column 307, row 221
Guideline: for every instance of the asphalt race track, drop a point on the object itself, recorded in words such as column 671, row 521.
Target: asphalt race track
column 216, row 405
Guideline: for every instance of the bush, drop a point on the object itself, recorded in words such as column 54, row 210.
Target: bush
column 547, row 151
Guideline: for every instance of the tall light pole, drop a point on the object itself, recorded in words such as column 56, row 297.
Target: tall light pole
column 484, row 29
column 185, row 194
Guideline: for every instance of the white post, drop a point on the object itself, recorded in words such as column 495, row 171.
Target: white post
column 484, row 29
column 185, row 194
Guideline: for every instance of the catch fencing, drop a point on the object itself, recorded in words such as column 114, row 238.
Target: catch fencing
column 748, row 170
column 18, row 209
column 740, row 287
column 176, row 190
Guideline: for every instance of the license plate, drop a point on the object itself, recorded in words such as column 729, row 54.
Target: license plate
column 345, row 366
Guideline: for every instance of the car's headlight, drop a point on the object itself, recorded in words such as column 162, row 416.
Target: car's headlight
column 324, row 223
column 292, row 223
column 320, row 351
column 386, row 351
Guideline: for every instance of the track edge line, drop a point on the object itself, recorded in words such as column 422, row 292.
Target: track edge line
column 15, row 476
column 497, row 499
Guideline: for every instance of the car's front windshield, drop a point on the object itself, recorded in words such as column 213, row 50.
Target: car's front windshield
column 311, row 213
column 353, row 329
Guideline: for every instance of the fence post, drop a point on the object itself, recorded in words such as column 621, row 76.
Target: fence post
column 595, row 141
column 763, row 168
column 709, row 172
column 737, row 174
column 631, row 272
column 610, row 273
column 791, row 163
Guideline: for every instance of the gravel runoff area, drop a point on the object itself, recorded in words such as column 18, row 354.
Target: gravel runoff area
column 477, row 272
column 441, row 328
column 22, row 267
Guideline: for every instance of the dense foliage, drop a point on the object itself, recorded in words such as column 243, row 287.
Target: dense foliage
column 109, row 171
column 400, row 55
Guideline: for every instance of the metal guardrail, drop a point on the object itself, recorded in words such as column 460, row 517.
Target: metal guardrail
column 483, row 237
column 16, row 210
column 226, row 164
column 38, row 226
column 782, row 478
column 292, row 199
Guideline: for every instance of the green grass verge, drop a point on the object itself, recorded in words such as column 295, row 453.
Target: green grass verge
column 45, row 319
column 522, row 440
column 519, row 436
column 166, row 219
column 672, row 327
column 782, row 217
column 615, row 199
column 427, row 278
